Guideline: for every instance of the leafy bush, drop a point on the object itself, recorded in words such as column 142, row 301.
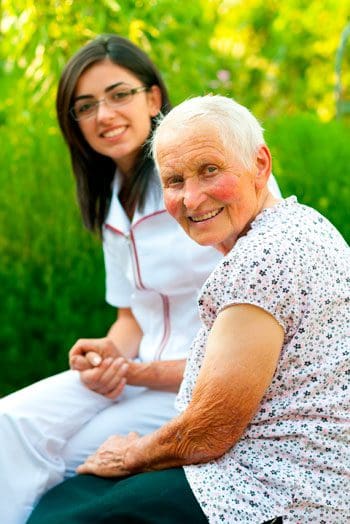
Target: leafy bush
column 51, row 272
column 311, row 160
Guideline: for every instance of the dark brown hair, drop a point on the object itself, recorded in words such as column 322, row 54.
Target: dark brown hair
column 94, row 172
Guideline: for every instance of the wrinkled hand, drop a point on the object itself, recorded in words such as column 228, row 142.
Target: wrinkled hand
column 102, row 367
column 109, row 459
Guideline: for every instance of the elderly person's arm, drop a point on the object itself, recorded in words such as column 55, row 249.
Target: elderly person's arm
column 241, row 356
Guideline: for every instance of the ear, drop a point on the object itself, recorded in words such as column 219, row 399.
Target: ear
column 263, row 163
column 154, row 100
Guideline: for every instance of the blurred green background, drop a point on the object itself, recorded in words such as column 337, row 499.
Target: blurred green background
column 277, row 58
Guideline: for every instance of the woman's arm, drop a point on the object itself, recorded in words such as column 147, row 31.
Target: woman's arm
column 105, row 365
column 241, row 356
column 163, row 375
column 126, row 333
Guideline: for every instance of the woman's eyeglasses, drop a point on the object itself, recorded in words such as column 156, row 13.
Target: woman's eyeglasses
column 118, row 96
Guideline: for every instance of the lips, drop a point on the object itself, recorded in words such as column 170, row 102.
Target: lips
column 114, row 132
column 205, row 216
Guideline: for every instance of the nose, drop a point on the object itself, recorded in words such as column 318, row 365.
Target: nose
column 104, row 111
column 193, row 195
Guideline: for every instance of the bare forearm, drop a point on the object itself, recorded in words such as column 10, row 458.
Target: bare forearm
column 160, row 375
column 205, row 431
column 126, row 334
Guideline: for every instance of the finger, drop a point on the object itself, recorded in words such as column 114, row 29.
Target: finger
column 117, row 391
column 115, row 371
column 113, row 375
column 93, row 358
column 92, row 377
column 133, row 434
column 102, row 468
column 86, row 468
column 83, row 345
column 79, row 363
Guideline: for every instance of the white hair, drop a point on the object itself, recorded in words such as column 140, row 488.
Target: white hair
column 235, row 124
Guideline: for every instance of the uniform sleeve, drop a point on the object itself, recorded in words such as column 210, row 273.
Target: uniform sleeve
column 273, row 187
column 118, row 288
column 267, row 276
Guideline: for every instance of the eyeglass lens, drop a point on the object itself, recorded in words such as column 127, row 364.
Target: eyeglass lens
column 117, row 96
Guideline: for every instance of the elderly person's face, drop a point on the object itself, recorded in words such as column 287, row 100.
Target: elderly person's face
column 207, row 189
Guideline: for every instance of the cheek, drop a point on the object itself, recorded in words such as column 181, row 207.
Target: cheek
column 172, row 203
column 224, row 189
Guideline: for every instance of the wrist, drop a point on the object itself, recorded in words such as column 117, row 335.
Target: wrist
column 134, row 458
column 133, row 374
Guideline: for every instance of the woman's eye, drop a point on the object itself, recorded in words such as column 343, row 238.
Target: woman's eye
column 120, row 95
column 174, row 181
column 85, row 108
column 211, row 169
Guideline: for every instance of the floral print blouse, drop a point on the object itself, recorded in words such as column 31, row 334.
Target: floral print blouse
column 293, row 460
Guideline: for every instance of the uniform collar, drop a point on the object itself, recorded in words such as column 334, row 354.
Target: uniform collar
column 118, row 219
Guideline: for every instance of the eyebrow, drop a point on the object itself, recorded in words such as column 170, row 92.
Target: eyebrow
column 106, row 90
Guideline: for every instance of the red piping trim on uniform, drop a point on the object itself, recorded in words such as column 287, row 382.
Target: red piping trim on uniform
column 139, row 283
column 149, row 216
column 136, row 258
column 166, row 333
column 115, row 230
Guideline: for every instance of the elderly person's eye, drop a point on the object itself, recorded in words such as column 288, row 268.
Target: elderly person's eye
column 210, row 169
column 174, row 181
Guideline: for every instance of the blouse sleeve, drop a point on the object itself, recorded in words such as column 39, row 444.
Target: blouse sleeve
column 118, row 288
column 267, row 276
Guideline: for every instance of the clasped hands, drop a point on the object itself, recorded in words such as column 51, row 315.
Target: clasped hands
column 102, row 367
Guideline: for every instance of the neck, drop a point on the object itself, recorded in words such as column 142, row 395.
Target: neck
column 265, row 201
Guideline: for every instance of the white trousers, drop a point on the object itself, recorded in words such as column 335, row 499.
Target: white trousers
column 47, row 429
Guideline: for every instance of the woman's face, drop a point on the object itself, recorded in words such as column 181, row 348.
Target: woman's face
column 116, row 132
column 206, row 188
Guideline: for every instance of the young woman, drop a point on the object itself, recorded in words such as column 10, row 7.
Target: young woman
column 108, row 97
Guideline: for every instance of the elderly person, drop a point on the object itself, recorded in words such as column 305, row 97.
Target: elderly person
column 263, row 425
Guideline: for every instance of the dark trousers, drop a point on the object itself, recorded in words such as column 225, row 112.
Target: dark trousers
column 162, row 497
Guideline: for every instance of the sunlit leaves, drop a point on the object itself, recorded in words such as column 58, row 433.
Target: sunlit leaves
column 280, row 56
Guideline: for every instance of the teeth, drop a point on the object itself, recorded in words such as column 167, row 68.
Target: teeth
column 206, row 216
column 114, row 132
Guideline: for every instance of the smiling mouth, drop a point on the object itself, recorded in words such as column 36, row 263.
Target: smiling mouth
column 206, row 216
column 114, row 132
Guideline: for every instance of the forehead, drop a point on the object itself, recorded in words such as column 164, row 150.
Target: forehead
column 189, row 145
column 101, row 75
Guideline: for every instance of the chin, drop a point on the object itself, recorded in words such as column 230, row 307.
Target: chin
column 205, row 241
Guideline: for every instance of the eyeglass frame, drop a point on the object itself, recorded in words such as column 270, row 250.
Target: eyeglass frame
column 133, row 91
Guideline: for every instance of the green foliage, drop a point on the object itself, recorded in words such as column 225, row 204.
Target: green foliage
column 51, row 272
column 311, row 160
column 277, row 58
